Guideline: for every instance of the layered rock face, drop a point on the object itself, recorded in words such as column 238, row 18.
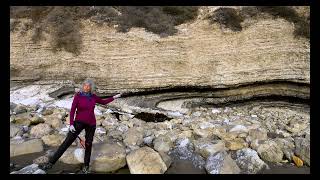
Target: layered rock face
column 199, row 55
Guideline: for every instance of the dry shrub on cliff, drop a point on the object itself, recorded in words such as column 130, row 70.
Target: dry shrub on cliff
column 232, row 18
column 302, row 25
column 65, row 30
column 150, row 18
column 227, row 17
column 13, row 25
column 159, row 20
column 181, row 14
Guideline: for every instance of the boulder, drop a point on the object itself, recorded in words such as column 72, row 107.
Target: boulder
column 36, row 120
column 137, row 122
column 166, row 159
column 53, row 139
column 62, row 114
column 79, row 154
column 47, row 112
column 22, row 120
column 249, row 161
column 296, row 126
column 164, row 125
column 31, row 169
column 12, row 106
column 68, row 157
column 15, row 130
column 185, row 134
column 54, row 121
column 109, row 122
column 221, row 132
column 270, row 151
column 12, row 118
column 160, row 132
column 287, row 146
column 100, row 131
column 133, row 138
column 302, row 149
column 297, row 161
column 26, row 147
column 123, row 128
column 19, row 108
column 128, row 123
column 184, row 150
column 125, row 117
column 221, row 163
column 45, row 158
column 41, row 130
column 202, row 133
column 99, row 119
column 236, row 144
column 257, row 134
column 145, row 161
column 239, row 129
column 176, row 121
column 148, row 140
column 162, row 143
column 115, row 134
column 206, row 147
column 41, row 160
column 108, row 157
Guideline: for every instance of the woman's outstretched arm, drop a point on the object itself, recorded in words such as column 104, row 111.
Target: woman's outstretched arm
column 108, row 100
column 104, row 101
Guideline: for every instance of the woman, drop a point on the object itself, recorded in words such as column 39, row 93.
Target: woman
column 84, row 102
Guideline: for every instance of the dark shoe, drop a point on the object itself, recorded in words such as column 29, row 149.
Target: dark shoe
column 45, row 166
column 85, row 170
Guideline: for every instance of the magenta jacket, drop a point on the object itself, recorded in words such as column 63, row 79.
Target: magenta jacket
column 85, row 108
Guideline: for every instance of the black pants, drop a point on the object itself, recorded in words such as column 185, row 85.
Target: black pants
column 79, row 126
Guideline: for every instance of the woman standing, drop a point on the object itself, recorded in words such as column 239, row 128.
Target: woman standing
column 83, row 104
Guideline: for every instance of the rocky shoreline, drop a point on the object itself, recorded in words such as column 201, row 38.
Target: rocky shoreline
column 246, row 138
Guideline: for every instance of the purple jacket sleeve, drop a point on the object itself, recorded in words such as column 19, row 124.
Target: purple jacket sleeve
column 73, row 108
column 103, row 101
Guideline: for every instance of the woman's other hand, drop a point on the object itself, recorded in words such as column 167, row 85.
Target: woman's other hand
column 116, row 96
column 72, row 129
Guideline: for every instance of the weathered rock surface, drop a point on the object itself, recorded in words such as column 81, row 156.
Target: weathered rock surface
column 27, row 147
column 145, row 161
column 270, row 151
column 133, row 138
column 40, row 130
column 162, row 143
column 23, row 120
column 249, row 162
column 303, row 149
column 221, row 163
column 287, row 146
column 15, row 130
column 108, row 157
column 53, row 139
column 31, row 169
column 36, row 120
column 69, row 157
column 206, row 147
